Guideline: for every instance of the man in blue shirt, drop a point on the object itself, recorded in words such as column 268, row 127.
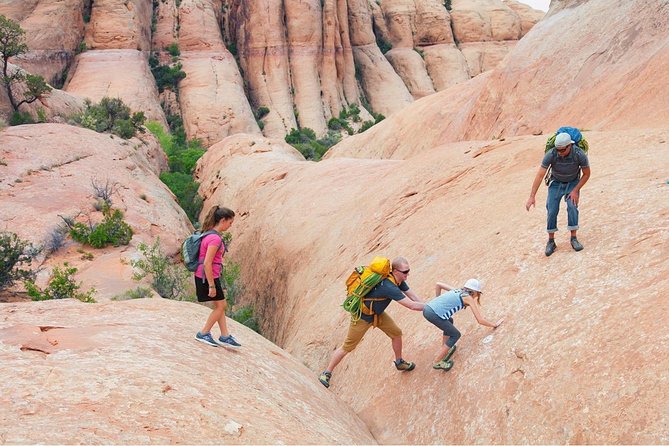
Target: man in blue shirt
column 567, row 161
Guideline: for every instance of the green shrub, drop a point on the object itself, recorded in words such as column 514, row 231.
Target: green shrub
column 365, row 126
column 262, row 112
column 182, row 157
column 138, row 293
column 20, row 118
column 41, row 115
column 61, row 286
column 168, row 77
column 14, row 255
column 335, row 124
column 230, row 277
column 111, row 115
column 168, row 279
column 185, row 189
column 111, row 231
column 173, row 49
column 311, row 148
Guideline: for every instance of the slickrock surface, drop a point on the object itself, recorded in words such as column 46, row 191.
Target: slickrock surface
column 48, row 171
column 132, row 373
column 119, row 73
column 559, row 370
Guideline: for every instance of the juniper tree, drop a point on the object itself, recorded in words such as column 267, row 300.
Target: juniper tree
column 12, row 43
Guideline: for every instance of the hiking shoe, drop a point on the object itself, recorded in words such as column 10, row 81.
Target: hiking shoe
column 576, row 244
column 444, row 364
column 206, row 338
column 449, row 354
column 325, row 378
column 550, row 247
column 228, row 341
column 404, row 366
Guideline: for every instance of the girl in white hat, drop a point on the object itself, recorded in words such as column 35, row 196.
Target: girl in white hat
column 440, row 310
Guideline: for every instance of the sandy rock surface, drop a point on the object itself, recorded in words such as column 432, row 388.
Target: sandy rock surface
column 89, row 369
column 457, row 211
column 48, row 171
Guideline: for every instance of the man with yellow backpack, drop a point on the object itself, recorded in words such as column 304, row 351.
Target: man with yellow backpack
column 392, row 287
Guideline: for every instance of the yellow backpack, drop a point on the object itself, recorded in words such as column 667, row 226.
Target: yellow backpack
column 360, row 282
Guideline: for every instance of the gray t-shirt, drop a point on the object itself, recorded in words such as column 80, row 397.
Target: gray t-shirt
column 565, row 168
column 387, row 290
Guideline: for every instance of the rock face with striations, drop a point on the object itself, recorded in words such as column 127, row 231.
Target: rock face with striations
column 304, row 61
column 54, row 31
column 532, row 93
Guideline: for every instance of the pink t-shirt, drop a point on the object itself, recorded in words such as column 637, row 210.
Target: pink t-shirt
column 207, row 241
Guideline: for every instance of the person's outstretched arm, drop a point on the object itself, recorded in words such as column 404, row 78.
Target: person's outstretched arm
column 412, row 304
column 413, row 296
column 471, row 302
column 541, row 173
column 441, row 286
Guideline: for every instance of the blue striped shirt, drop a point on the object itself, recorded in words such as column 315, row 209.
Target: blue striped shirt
column 447, row 304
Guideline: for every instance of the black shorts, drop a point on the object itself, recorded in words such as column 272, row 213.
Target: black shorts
column 202, row 290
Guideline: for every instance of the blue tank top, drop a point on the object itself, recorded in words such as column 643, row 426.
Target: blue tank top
column 447, row 304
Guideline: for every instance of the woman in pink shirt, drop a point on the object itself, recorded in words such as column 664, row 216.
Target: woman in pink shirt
column 208, row 275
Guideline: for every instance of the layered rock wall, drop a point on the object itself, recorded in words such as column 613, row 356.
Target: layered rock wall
column 610, row 82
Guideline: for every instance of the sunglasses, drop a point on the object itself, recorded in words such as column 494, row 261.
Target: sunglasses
column 404, row 272
column 561, row 149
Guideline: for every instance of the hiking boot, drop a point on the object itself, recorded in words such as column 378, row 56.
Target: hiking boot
column 444, row 365
column 449, row 354
column 206, row 338
column 576, row 244
column 404, row 366
column 228, row 341
column 550, row 247
column 325, row 378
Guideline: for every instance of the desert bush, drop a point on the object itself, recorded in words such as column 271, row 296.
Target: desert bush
column 55, row 239
column 20, row 118
column 61, row 286
column 185, row 189
column 112, row 230
column 111, row 115
column 365, row 125
column 169, row 280
column 173, row 49
column 104, row 191
column 140, row 292
column 182, row 156
column 167, row 76
column 230, row 278
column 15, row 254
column 311, row 148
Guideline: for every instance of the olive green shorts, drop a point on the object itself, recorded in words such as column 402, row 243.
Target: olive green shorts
column 356, row 331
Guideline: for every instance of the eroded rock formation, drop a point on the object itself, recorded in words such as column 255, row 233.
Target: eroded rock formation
column 304, row 61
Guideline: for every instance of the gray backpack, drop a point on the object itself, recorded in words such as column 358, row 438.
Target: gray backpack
column 190, row 249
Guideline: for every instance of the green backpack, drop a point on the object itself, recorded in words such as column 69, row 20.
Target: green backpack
column 576, row 136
